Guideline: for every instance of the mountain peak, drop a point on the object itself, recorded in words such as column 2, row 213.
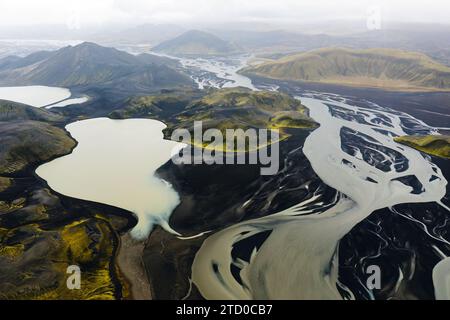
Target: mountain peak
column 87, row 44
column 196, row 42
column 91, row 64
column 196, row 32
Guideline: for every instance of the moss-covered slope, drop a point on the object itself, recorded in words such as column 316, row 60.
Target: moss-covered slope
column 10, row 111
column 436, row 145
column 24, row 143
column 380, row 68
column 231, row 108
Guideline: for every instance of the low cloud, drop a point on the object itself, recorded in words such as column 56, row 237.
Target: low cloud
column 100, row 12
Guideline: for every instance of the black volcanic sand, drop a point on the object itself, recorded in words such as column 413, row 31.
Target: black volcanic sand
column 37, row 221
column 212, row 198
column 395, row 242
column 43, row 232
column 431, row 107
column 387, row 239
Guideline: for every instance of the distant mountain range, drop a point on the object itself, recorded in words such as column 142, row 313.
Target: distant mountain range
column 197, row 43
column 89, row 64
column 151, row 34
column 380, row 68
column 431, row 41
column 254, row 37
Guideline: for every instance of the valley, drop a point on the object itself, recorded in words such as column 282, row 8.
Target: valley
column 87, row 177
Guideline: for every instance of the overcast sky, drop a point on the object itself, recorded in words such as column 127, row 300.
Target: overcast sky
column 91, row 13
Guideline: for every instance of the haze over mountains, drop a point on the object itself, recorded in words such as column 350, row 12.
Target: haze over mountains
column 93, row 65
column 382, row 68
column 89, row 64
column 432, row 39
column 151, row 34
column 428, row 39
column 195, row 42
column 257, row 38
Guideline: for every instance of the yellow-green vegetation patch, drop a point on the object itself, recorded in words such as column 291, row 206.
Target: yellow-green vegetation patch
column 294, row 120
column 92, row 254
column 241, row 97
column 390, row 69
column 154, row 106
column 241, row 108
column 4, row 206
column 38, row 261
column 11, row 252
column 19, row 202
column 437, row 145
column 5, row 183
column 238, row 136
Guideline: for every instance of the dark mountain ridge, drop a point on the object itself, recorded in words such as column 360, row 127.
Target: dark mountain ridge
column 89, row 64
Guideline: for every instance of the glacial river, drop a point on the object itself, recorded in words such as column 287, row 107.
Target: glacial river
column 215, row 72
column 352, row 151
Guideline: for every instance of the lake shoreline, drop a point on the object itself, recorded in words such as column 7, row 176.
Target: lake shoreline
column 199, row 216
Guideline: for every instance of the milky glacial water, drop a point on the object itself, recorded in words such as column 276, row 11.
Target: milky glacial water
column 441, row 279
column 225, row 70
column 69, row 102
column 353, row 152
column 114, row 163
column 216, row 72
column 36, row 96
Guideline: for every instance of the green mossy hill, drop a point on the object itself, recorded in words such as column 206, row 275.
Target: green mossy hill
column 242, row 97
column 291, row 119
column 240, row 108
column 159, row 106
column 10, row 111
column 34, row 257
column 244, row 108
column 24, row 143
column 436, row 145
column 389, row 69
column 231, row 108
